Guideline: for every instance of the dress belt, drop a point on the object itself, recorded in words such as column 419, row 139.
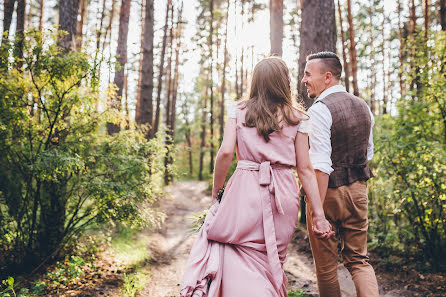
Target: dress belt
column 267, row 181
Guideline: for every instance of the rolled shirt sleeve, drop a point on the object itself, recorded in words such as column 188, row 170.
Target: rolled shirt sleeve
column 319, row 136
column 304, row 126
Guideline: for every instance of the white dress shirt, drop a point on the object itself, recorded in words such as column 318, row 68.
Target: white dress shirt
column 320, row 132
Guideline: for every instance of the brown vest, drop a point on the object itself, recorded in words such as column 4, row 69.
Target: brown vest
column 350, row 132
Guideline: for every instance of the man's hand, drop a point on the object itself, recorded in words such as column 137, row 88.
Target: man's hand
column 322, row 228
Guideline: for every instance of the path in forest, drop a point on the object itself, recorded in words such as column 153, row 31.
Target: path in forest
column 170, row 246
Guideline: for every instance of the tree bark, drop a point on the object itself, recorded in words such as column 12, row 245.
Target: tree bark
column 138, row 90
column 313, row 36
column 203, row 131
column 353, row 56
column 414, row 80
column 161, row 70
column 8, row 10
column 384, row 72
column 173, row 101
column 80, row 24
column 147, row 69
column 101, row 25
column 121, row 53
column 373, row 62
column 20, row 33
column 68, row 10
column 344, row 55
column 426, row 18
column 211, row 114
column 41, row 15
column 401, row 50
column 109, row 26
column 443, row 14
column 223, row 80
column 126, row 103
column 276, row 26
column 168, row 140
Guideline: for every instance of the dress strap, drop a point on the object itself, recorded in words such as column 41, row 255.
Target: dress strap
column 267, row 182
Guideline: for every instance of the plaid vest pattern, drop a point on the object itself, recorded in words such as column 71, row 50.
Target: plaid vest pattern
column 350, row 132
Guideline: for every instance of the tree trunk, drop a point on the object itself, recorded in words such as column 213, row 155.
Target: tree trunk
column 138, row 90
column 443, row 14
column 187, row 135
column 41, row 15
column 401, row 50
column 173, row 101
column 203, row 131
column 126, row 103
column 8, row 10
column 20, row 33
column 121, row 53
column 223, row 80
column 161, row 70
column 414, row 80
column 241, row 82
column 68, row 10
column 101, row 23
column 109, row 26
column 276, row 26
column 80, row 24
column 211, row 114
column 313, row 36
column 353, row 56
column 372, row 62
column 52, row 218
column 168, row 139
column 384, row 72
column 426, row 18
column 147, row 69
column 344, row 55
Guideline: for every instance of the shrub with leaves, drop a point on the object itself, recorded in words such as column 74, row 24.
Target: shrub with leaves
column 60, row 172
column 408, row 196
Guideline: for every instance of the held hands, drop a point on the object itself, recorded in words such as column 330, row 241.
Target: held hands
column 322, row 228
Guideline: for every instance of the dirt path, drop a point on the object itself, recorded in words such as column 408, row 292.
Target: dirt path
column 170, row 247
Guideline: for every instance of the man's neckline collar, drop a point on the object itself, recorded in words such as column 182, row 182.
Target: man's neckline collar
column 331, row 90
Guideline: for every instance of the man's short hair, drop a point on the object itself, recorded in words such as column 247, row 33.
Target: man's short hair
column 331, row 62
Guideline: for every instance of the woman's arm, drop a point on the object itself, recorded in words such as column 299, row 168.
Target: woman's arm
column 321, row 226
column 224, row 156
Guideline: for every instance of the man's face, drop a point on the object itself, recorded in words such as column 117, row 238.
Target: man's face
column 314, row 78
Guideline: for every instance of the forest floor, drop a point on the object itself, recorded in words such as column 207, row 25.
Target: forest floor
column 170, row 245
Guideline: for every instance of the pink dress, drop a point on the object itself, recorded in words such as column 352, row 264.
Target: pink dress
column 242, row 245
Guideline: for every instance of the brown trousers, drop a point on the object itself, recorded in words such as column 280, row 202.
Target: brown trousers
column 346, row 209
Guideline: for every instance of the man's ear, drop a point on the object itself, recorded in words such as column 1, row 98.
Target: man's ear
column 328, row 77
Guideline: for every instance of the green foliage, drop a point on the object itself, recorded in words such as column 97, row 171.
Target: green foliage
column 408, row 196
column 198, row 221
column 296, row 293
column 60, row 172
column 9, row 291
column 133, row 283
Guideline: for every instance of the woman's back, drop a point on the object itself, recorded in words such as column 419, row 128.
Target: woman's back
column 280, row 149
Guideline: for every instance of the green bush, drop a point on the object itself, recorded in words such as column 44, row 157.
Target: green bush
column 408, row 196
column 60, row 172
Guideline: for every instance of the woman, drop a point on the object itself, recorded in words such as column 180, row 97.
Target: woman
column 242, row 245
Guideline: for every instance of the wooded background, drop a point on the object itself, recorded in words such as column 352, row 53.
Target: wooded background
column 132, row 94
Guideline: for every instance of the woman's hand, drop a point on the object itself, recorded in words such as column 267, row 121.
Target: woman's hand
column 322, row 228
column 214, row 193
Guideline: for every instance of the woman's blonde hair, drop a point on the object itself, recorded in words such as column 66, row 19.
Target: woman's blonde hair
column 270, row 101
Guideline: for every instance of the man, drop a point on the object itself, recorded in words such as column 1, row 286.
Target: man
column 341, row 145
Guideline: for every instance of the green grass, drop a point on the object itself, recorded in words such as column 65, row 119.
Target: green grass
column 130, row 248
column 297, row 293
column 134, row 283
